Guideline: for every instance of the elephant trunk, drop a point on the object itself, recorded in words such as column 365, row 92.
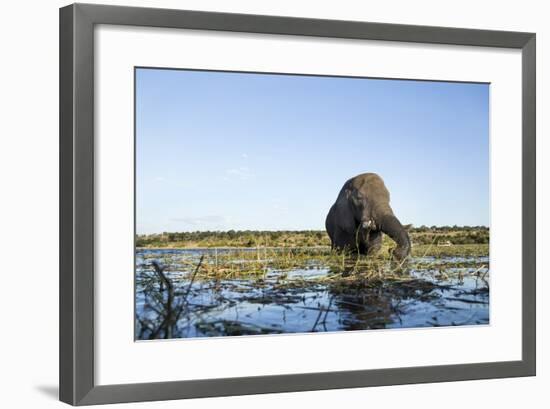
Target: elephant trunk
column 390, row 225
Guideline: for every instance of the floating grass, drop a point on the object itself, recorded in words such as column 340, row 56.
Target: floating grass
column 210, row 292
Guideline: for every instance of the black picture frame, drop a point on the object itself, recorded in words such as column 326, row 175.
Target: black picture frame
column 77, row 21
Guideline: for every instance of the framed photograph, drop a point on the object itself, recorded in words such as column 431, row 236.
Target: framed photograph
column 256, row 204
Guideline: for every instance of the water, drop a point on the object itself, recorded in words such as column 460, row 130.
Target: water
column 442, row 291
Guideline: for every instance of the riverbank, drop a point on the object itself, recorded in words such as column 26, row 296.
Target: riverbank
column 439, row 236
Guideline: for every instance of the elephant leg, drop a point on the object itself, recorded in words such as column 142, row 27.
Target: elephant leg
column 374, row 242
column 361, row 244
column 344, row 241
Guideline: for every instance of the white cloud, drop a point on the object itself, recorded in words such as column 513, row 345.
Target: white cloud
column 212, row 222
column 241, row 173
column 280, row 207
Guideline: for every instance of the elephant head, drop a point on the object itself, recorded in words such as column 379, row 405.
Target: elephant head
column 361, row 214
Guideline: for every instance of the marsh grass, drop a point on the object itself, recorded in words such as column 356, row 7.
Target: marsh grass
column 258, row 263
column 217, row 292
column 306, row 238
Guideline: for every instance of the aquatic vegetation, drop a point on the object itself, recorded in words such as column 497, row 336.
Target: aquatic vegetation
column 268, row 290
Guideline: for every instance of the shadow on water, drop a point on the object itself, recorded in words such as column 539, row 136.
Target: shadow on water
column 174, row 301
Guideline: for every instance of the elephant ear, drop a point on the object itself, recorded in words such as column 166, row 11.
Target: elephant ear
column 344, row 214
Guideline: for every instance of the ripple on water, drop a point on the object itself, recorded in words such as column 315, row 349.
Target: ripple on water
column 305, row 299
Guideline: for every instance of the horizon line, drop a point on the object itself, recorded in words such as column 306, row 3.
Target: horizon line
column 307, row 230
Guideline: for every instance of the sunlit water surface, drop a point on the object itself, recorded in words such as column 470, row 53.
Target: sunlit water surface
column 300, row 300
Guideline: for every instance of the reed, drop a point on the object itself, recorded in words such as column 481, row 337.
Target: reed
column 258, row 263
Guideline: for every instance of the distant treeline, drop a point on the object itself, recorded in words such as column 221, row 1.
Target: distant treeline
column 440, row 235
column 450, row 234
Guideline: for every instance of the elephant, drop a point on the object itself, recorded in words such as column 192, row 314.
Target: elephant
column 361, row 214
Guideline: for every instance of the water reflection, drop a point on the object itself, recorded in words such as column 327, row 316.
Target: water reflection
column 172, row 302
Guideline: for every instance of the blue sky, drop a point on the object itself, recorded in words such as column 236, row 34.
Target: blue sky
column 221, row 151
